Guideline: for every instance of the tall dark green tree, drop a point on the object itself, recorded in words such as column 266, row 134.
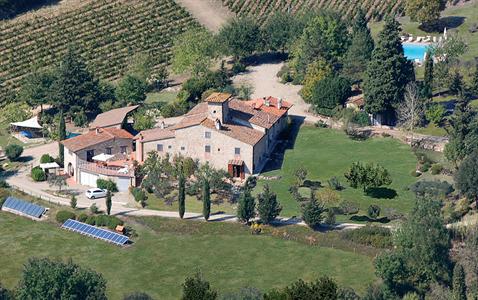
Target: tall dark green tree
column 459, row 283
column 46, row 279
column 240, row 37
column 428, row 79
column 206, row 199
column 108, row 202
column 456, row 84
column 182, row 194
column 322, row 288
column 36, row 88
column 74, row 87
column 246, row 206
column 278, row 31
column 388, row 72
column 61, row 137
column 360, row 51
column 466, row 178
column 268, row 207
column 474, row 82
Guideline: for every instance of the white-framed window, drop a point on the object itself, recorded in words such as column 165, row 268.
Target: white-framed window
column 124, row 149
column 159, row 147
column 207, row 134
column 237, row 151
column 109, row 150
column 207, row 149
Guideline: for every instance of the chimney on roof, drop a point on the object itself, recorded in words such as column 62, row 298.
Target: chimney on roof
column 266, row 101
column 279, row 103
column 162, row 125
column 217, row 124
column 97, row 130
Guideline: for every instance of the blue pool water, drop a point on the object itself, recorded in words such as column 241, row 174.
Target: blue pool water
column 415, row 51
column 69, row 135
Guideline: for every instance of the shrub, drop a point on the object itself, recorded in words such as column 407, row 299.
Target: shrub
column 80, row 119
column 425, row 167
column 91, row 220
column 108, row 221
column 4, row 184
column 436, row 169
column 82, row 217
column 348, row 208
column 63, row 215
column 94, row 209
column 414, row 173
column 38, row 174
column 321, row 124
column 313, row 213
column 369, row 235
column 107, row 185
column 73, row 202
column 13, row 151
column 432, row 188
column 335, row 184
column 46, row 158
column 238, row 67
column 373, row 211
column 360, row 118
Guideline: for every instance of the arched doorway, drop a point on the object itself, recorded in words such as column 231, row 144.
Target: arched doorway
column 71, row 171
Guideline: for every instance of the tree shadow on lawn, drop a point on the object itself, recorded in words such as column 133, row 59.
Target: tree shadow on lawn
column 276, row 158
column 449, row 22
column 25, row 159
column 382, row 193
column 382, row 220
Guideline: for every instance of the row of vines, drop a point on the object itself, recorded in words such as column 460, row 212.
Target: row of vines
column 375, row 9
column 106, row 32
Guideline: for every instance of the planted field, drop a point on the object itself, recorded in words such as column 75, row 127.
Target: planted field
column 106, row 33
column 375, row 9
column 166, row 251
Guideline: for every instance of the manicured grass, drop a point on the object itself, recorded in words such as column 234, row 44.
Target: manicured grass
column 432, row 129
column 326, row 153
column 5, row 137
column 166, row 251
column 163, row 96
column 192, row 204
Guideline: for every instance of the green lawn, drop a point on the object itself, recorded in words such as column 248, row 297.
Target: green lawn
column 192, row 205
column 163, row 96
column 166, row 251
column 5, row 137
column 326, row 153
column 432, row 129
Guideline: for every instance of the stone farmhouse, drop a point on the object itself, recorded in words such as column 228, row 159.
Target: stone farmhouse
column 228, row 133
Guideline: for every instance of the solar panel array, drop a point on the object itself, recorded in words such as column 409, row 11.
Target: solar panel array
column 92, row 231
column 23, row 207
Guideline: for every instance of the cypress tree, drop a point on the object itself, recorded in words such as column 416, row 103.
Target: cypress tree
column 108, row 202
column 428, row 80
column 456, row 85
column 247, row 206
column 61, row 137
column 388, row 72
column 459, row 285
column 268, row 206
column 206, row 199
column 182, row 194
column 474, row 82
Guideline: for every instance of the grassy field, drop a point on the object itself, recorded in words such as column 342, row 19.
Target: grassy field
column 326, row 153
column 192, row 205
column 163, row 96
column 166, row 251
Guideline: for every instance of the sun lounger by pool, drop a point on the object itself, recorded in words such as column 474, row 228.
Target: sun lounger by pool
column 410, row 39
column 419, row 39
column 434, row 39
column 427, row 39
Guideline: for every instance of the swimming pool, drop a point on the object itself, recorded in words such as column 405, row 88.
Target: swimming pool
column 415, row 51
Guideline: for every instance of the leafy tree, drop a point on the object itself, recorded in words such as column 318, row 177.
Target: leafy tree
column 325, row 37
column 239, row 37
column 316, row 71
column 73, row 201
column 74, row 86
column 466, row 178
column 108, row 202
column 46, row 158
column 143, row 120
column 61, row 137
column 322, row 288
column 424, row 11
column 246, row 208
column 313, row 211
column 15, row 112
column 268, row 207
column 456, row 85
column 420, row 255
column 428, row 78
column 330, row 92
column 435, row 113
column 181, row 194
column 206, row 199
column 300, row 175
column 388, row 72
column 36, row 88
column 373, row 211
column 57, row 180
column 450, row 50
column 367, row 176
column 459, row 283
column 194, row 51
column 141, row 66
column 46, row 279
column 37, row 174
column 278, row 31
column 159, row 171
column 196, row 288
column 13, row 151
column 360, row 51
column 131, row 90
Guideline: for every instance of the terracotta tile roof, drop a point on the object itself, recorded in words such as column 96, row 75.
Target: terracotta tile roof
column 112, row 117
column 260, row 104
column 218, row 97
column 241, row 110
column 93, row 137
column 201, row 108
column 154, row 134
column 189, row 121
column 239, row 132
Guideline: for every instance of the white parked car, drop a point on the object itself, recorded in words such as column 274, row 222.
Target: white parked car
column 95, row 193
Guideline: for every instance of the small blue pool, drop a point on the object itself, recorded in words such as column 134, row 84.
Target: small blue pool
column 415, row 51
column 72, row 134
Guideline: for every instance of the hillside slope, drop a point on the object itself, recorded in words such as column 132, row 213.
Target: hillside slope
column 106, row 32
column 375, row 9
